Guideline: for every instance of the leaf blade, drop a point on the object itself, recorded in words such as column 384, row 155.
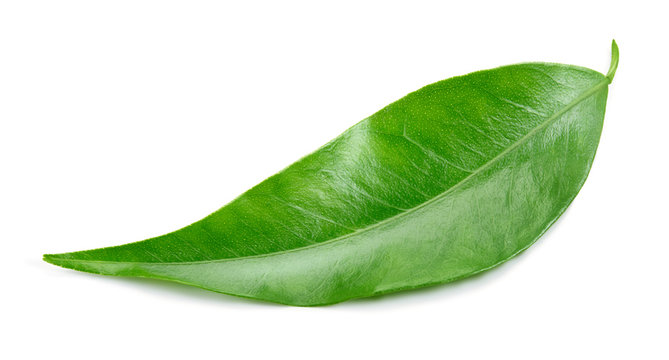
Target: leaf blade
column 332, row 253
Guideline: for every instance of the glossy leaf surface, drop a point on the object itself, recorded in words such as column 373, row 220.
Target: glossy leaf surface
column 446, row 182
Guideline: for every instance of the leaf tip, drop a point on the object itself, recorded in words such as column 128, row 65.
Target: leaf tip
column 614, row 61
column 52, row 259
column 48, row 258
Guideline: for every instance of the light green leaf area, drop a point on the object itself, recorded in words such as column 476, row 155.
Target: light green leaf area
column 450, row 180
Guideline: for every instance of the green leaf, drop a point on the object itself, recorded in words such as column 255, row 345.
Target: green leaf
column 451, row 180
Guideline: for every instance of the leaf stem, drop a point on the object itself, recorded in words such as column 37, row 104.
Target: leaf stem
column 614, row 61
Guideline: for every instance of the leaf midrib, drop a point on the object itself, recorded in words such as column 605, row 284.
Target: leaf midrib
column 586, row 94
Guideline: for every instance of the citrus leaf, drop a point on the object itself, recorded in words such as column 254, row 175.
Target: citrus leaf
column 451, row 180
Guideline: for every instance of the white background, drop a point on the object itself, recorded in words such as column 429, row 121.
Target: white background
column 123, row 120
